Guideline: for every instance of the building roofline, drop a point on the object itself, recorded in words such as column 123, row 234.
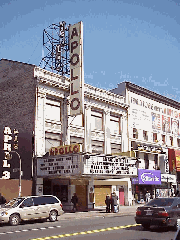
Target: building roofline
column 9, row 60
column 150, row 94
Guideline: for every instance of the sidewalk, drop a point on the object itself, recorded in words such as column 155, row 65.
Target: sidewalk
column 100, row 212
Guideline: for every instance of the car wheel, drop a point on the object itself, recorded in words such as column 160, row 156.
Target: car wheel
column 146, row 226
column 53, row 216
column 14, row 220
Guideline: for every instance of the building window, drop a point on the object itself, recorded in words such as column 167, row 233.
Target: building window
column 145, row 135
column 52, row 140
column 52, row 110
column 146, row 161
column 156, row 161
column 154, row 137
column 171, row 141
column 115, row 125
column 178, row 142
column 96, row 120
column 135, row 133
column 163, row 139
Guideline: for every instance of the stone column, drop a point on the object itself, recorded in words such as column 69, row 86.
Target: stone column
column 107, row 135
column 91, row 193
column 64, row 117
column 40, row 125
column 125, row 143
column 87, row 129
column 67, row 139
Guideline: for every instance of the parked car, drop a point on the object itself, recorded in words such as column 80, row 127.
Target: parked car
column 31, row 208
column 159, row 212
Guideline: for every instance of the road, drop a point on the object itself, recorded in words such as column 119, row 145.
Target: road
column 82, row 228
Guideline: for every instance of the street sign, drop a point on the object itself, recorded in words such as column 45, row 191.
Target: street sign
column 16, row 169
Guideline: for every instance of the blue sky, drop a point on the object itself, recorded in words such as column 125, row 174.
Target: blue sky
column 132, row 40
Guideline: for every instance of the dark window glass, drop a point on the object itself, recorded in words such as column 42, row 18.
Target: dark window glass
column 44, row 200
column 39, row 201
column 161, row 202
column 27, row 202
column 50, row 200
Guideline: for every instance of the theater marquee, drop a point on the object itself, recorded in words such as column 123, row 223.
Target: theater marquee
column 76, row 69
column 59, row 166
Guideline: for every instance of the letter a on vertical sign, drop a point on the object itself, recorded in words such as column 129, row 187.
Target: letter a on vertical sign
column 76, row 69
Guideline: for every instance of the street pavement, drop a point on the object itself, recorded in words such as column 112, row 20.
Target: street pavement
column 100, row 212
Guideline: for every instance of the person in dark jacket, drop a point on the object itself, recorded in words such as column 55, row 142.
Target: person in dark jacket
column 108, row 203
column 2, row 199
column 114, row 199
column 74, row 200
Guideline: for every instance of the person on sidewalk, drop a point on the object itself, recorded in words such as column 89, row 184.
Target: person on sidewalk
column 74, row 200
column 148, row 195
column 114, row 198
column 108, row 202
column 2, row 199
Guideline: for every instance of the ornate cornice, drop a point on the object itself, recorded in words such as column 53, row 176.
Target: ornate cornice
column 54, row 80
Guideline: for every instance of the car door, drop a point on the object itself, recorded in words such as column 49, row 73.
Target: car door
column 26, row 209
column 40, row 207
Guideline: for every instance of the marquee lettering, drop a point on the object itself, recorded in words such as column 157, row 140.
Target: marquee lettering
column 74, row 148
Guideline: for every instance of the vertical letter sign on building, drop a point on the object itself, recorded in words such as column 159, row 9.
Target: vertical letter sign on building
column 76, row 69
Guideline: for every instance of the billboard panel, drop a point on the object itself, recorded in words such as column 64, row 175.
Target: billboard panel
column 76, row 69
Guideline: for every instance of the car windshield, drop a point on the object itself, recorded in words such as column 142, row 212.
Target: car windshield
column 160, row 202
column 14, row 203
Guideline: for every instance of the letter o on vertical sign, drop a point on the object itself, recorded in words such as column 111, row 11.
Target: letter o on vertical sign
column 75, row 103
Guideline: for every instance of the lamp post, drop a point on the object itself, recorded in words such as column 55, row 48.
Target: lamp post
column 19, row 172
column 167, row 185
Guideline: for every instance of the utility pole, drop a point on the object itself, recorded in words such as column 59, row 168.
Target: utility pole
column 19, row 171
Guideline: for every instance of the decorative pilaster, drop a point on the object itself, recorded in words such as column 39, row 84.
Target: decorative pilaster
column 107, row 142
column 87, row 129
column 40, row 124
column 125, row 134
column 64, row 119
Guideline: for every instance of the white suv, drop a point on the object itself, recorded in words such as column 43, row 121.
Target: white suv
column 31, row 208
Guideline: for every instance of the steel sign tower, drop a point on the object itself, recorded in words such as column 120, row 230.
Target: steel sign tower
column 56, row 49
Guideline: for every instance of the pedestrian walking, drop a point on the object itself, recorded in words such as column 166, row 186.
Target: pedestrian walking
column 74, row 200
column 108, row 203
column 177, row 194
column 114, row 205
column 2, row 199
column 148, row 195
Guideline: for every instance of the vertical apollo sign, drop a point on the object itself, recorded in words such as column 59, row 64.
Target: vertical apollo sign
column 76, row 69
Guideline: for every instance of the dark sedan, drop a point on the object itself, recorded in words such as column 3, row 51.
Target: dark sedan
column 159, row 212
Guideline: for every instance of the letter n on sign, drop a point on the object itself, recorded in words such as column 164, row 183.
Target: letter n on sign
column 76, row 69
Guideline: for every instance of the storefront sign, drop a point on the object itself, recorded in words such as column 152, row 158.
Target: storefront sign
column 73, row 148
column 63, row 166
column 134, row 181
column 76, row 69
column 177, row 155
column 168, row 178
column 146, row 176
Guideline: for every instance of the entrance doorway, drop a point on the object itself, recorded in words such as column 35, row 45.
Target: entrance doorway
column 121, row 196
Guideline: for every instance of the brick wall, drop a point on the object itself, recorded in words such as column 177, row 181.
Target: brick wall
column 17, row 104
column 10, row 188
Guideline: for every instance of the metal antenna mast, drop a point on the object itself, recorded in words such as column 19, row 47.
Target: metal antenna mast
column 56, row 49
